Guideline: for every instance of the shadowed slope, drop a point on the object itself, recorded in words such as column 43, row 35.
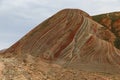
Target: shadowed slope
column 70, row 38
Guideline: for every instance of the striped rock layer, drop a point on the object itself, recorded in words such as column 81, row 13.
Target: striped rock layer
column 71, row 39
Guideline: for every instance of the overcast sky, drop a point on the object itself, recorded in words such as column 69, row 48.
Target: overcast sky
column 17, row 17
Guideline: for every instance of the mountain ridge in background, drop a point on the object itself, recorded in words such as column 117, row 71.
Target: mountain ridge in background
column 111, row 21
column 68, row 45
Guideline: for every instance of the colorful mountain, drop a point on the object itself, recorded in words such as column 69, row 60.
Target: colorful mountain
column 69, row 45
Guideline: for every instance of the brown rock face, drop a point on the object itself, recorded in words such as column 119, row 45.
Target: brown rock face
column 106, row 22
column 116, row 25
column 68, row 43
column 107, row 35
column 111, row 21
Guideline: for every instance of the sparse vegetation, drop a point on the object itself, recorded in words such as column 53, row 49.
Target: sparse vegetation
column 115, row 30
column 117, row 42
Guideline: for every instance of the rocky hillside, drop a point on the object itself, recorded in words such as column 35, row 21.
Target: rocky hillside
column 67, row 46
column 111, row 21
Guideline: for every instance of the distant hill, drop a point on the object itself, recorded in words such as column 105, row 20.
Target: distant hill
column 110, row 21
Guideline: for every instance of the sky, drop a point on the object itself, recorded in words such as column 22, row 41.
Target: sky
column 18, row 17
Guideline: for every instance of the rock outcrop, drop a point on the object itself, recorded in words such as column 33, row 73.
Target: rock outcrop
column 68, row 45
column 111, row 21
